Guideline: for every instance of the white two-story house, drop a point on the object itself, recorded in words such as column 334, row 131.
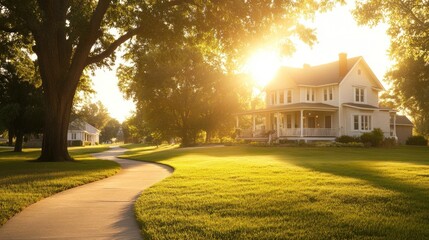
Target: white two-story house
column 319, row 103
column 81, row 133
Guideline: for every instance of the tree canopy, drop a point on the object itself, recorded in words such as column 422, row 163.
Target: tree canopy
column 408, row 23
column 179, row 92
column 95, row 114
column 21, row 103
column 70, row 37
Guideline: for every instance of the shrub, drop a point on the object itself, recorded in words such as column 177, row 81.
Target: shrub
column 346, row 139
column 389, row 142
column 226, row 140
column 373, row 139
column 417, row 140
column 74, row 143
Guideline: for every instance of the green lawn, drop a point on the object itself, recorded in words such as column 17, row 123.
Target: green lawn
column 23, row 182
column 287, row 193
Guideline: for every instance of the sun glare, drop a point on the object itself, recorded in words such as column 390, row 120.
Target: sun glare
column 262, row 66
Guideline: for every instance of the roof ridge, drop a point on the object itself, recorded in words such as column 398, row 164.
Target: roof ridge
column 323, row 64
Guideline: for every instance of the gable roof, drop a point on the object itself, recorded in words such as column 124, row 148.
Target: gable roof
column 316, row 75
column 403, row 120
column 81, row 125
column 320, row 75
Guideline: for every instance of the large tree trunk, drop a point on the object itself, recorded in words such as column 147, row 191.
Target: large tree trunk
column 208, row 136
column 57, row 116
column 10, row 136
column 19, row 141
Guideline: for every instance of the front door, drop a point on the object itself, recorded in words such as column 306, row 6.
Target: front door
column 311, row 122
column 328, row 122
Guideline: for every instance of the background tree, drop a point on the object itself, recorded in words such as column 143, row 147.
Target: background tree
column 70, row 37
column 110, row 130
column 95, row 114
column 21, row 105
column 135, row 129
column 167, row 90
column 408, row 23
column 226, row 95
column 411, row 91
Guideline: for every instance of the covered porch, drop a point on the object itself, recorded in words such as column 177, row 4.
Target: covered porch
column 299, row 122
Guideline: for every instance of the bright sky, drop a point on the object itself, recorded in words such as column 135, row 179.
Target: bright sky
column 105, row 83
column 337, row 32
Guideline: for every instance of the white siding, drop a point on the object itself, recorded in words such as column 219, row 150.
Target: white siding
column 379, row 119
column 363, row 80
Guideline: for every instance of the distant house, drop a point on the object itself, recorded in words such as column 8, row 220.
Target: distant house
column 81, row 133
column 403, row 128
column 321, row 103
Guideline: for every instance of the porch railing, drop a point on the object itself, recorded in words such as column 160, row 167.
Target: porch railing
column 308, row 132
column 292, row 132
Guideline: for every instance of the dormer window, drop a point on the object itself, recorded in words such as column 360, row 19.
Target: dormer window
column 359, row 94
column 328, row 94
column 282, row 97
column 288, row 96
column 309, row 96
column 273, row 98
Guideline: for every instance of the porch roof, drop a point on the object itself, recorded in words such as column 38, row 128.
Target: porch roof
column 294, row 106
column 362, row 106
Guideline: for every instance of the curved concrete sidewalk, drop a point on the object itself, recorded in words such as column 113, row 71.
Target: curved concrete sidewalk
column 99, row 210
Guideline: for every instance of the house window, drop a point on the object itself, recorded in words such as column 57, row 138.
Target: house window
column 362, row 122
column 327, row 93
column 365, row 122
column 360, row 95
column 282, row 97
column 273, row 98
column 288, row 96
column 288, row 121
column 73, row 136
column 309, row 95
column 356, row 122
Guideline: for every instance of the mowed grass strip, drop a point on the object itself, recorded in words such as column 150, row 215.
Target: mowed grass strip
column 287, row 193
column 23, row 182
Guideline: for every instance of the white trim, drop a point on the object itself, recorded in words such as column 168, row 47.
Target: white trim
column 361, row 108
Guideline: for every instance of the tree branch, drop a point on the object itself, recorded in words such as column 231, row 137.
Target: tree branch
column 8, row 29
column 87, row 41
column 410, row 12
column 112, row 47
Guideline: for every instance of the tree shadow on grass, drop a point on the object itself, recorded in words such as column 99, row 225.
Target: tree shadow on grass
column 412, row 198
column 408, row 155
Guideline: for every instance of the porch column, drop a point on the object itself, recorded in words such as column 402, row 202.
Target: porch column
column 278, row 124
column 394, row 125
column 254, row 125
column 302, row 123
